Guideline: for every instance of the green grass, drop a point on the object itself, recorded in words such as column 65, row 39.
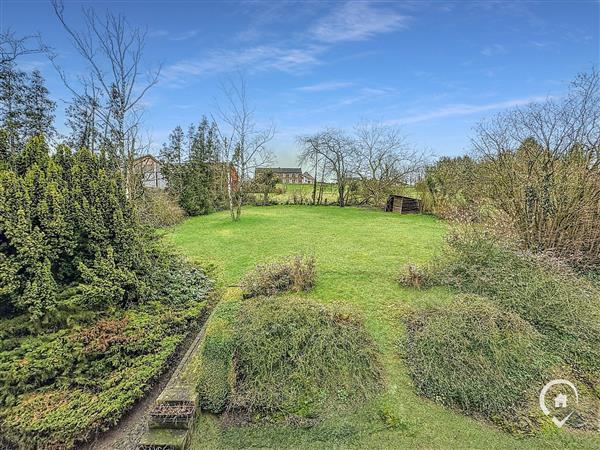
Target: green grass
column 330, row 193
column 359, row 254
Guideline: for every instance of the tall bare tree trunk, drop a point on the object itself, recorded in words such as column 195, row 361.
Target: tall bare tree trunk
column 314, row 195
column 230, row 193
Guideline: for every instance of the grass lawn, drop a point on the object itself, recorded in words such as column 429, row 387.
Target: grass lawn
column 359, row 254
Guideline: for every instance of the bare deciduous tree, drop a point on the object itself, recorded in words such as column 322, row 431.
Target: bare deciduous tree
column 113, row 51
column 309, row 155
column 385, row 160
column 13, row 90
column 244, row 144
column 541, row 169
column 82, row 119
column 338, row 154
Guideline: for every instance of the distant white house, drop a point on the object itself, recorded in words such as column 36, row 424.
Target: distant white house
column 307, row 178
column 150, row 170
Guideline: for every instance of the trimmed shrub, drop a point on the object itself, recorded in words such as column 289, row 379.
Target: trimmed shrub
column 295, row 273
column 476, row 357
column 288, row 358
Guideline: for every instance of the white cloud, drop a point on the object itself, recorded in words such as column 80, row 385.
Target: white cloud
column 353, row 21
column 182, row 36
column 465, row 109
column 258, row 58
column 357, row 21
column 541, row 44
column 158, row 33
column 491, row 50
column 325, row 86
column 363, row 95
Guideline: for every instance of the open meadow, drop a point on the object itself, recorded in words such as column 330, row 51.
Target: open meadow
column 295, row 192
column 359, row 254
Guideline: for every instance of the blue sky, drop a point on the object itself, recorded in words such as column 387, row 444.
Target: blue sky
column 434, row 68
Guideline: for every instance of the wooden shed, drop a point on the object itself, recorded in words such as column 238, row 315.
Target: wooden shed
column 402, row 204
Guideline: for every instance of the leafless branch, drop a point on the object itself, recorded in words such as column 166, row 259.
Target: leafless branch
column 113, row 51
column 244, row 144
column 12, row 47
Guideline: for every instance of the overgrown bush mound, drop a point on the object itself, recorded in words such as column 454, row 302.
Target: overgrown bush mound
column 295, row 273
column 561, row 307
column 91, row 310
column 285, row 358
column 479, row 358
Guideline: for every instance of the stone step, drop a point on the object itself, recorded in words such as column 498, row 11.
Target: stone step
column 163, row 439
column 171, row 419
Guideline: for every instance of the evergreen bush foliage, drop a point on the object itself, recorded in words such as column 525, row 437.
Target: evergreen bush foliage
column 191, row 166
column 65, row 222
column 91, row 309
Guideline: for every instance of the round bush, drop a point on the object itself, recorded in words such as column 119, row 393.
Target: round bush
column 295, row 273
column 159, row 209
column 289, row 357
column 478, row 358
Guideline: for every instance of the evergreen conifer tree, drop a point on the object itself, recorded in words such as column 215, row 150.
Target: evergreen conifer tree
column 12, row 104
column 38, row 108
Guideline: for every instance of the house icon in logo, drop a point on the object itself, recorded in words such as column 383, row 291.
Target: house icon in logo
column 560, row 401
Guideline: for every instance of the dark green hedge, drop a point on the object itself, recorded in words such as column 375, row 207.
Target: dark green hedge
column 59, row 388
column 91, row 309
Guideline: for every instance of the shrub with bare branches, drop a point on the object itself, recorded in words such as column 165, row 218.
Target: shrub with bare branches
column 295, row 273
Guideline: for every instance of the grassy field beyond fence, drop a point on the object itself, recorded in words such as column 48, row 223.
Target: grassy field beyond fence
column 287, row 193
